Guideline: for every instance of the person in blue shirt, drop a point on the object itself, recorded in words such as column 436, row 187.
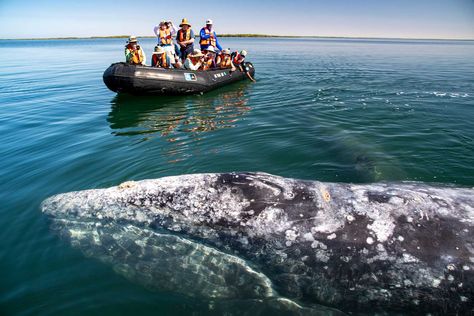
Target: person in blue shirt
column 209, row 37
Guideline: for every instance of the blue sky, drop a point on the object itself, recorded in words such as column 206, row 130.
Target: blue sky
column 365, row 18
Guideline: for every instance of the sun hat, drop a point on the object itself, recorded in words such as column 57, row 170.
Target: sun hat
column 158, row 50
column 243, row 53
column 196, row 53
column 226, row 51
column 208, row 21
column 132, row 39
column 184, row 22
column 211, row 49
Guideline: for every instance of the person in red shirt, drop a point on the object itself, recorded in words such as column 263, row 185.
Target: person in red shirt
column 238, row 60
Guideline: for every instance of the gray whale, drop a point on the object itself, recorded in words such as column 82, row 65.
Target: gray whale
column 374, row 248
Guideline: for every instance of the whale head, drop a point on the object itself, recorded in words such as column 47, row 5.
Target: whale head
column 151, row 232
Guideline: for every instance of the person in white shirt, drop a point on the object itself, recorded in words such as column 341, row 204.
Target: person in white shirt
column 169, row 24
column 166, row 32
column 194, row 60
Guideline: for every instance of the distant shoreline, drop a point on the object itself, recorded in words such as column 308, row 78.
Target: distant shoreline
column 243, row 36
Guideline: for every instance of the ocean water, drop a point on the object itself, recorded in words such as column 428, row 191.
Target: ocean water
column 331, row 110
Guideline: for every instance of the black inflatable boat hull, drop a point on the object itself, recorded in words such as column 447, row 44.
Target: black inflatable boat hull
column 133, row 79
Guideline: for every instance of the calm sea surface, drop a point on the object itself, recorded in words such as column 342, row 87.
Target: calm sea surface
column 330, row 110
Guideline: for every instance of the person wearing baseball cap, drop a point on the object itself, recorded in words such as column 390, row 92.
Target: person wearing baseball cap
column 134, row 53
column 209, row 61
column 238, row 60
column 224, row 60
column 209, row 37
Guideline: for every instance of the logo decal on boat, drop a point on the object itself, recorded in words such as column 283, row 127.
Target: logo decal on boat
column 219, row 75
column 190, row 77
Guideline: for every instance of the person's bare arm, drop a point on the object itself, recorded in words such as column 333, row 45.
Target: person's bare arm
column 250, row 77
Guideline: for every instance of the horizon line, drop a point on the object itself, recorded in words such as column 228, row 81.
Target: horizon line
column 249, row 35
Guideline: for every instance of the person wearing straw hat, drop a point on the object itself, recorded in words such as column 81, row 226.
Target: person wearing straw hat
column 160, row 58
column 194, row 60
column 134, row 53
column 208, row 36
column 185, row 39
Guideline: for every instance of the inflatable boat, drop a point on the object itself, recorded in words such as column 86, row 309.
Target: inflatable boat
column 134, row 79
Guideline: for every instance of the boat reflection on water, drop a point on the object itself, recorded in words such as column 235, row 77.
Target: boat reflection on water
column 179, row 120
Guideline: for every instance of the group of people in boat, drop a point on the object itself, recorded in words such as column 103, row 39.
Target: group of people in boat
column 175, row 49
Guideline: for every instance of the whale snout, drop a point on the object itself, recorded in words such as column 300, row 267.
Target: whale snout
column 72, row 205
column 55, row 206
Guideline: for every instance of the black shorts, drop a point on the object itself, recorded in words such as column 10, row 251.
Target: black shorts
column 185, row 51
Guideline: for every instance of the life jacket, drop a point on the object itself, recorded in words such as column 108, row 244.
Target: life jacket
column 159, row 61
column 182, row 36
column 137, row 56
column 165, row 37
column 209, row 41
column 207, row 65
column 238, row 59
column 194, row 61
column 225, row 62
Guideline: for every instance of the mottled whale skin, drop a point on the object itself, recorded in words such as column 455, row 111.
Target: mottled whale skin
column 384, row 247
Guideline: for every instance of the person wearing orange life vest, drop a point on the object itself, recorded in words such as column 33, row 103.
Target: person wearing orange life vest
column 209, row 61
column 164, row 31
column 208, row 36
column 167, row 26
column 134, row 53
column 185, row 39
column 164, row 35
column 194, row 60
column 160, row 58
column 224, row 61
column 238, row 60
